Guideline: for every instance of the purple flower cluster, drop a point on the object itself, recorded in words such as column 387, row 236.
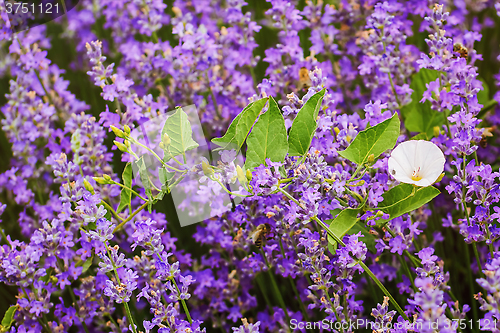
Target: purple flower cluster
column 84, row 249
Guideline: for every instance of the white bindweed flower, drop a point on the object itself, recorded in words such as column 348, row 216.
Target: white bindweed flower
column 416, row 162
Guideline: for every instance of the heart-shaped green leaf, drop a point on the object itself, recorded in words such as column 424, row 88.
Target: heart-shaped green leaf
column 340, row 225
column 178, row 128
column 268, row 138
column 240, row 127
column 304, row 125
column 373, row 141
column 405, row 198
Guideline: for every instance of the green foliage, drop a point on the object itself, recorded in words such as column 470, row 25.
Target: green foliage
column 178, row 129
column 143, row 173
column 341, row 225
column 126, row 194
column 268, row 138
column 420, row 136
column 483, row 96
column 419, row 117
column 240, row 127
column 8, row 318
column 86, row 265
column 165, row 176
column 304, row 125
column 373, row 141
column 405, row 198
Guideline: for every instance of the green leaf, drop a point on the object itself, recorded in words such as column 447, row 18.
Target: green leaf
column 164, row 175
column 342, row 224
column 420, row 136
column 107, row 215
column 86, row 265
column 178, row 128
column 374, row 140
column 405, row 198
column 483, row 96
column 8, row 318
column 419, row 117
column 240, row 127
column 268, row 138
column 304, row 125
column 424, row 120
column 417, row 84
column 143, row 173
column 126, row 194
column 368, row 238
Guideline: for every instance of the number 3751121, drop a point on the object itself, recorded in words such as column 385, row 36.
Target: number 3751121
column 25, row 8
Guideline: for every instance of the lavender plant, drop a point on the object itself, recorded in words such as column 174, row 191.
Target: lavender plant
column 344, row 172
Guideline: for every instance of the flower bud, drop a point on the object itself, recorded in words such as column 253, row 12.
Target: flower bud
column 88, row 186
column 207, row 170
column 127, row 129
column 241, row 175
column 118, row 132
column 371, row 158
column 121, row 146
column 360, row 183
column 436, row 130
column 106, row 177
column 379, row 214
column 100, row 180
column 249, row 175
column 439, row 178
column 166, row 140
column 337, row 130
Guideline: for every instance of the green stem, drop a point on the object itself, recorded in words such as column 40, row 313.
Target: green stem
column 184, row 305
column 131, row 190
column 366, row 269
column 275, row 287
column 45, row 89
column 264, row 294
column 227, row 191
column 127, row 309
column 73, row 298
column 156, row 156
column 471, row 283
column 5, row 237
column 112, row 320
column 292, row 282
column 119, row 226
column 112, row 210
column 407, row 271
column 129, row 316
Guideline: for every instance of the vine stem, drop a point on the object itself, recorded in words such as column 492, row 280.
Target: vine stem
column 131, row 190
column 156, row 155
column 227, row 191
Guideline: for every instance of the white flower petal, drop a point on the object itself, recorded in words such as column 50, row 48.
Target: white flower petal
column 399, row 168
column 416, row 159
